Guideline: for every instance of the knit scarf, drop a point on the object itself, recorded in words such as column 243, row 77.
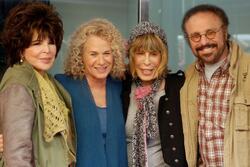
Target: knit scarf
column 145, row 122
column 55, row 113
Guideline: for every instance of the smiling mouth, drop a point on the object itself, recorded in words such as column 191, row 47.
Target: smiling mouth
column 147, row 71
column 206, row 47
column 101, row 69
column 46, row 60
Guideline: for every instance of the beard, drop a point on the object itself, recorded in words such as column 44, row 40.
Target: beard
column 217, row 52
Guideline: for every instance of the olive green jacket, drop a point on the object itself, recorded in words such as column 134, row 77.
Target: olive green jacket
column 22, row 124
column 237, row 125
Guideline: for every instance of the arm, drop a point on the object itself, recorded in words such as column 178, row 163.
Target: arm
column 17, row 114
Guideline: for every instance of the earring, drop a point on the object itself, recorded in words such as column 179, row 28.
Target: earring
column 21, row 59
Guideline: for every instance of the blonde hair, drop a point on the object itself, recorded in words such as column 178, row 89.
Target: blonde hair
column 148, row 42
column 104, row 29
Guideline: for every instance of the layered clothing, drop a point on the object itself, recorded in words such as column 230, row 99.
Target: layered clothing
column 22, row 118
column 169, row 118
column 91, row 151
column 237, row 123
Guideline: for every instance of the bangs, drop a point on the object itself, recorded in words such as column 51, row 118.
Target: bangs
column 44, row 33
column 148, row 42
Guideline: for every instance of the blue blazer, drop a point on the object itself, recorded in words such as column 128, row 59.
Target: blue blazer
column 90, row 148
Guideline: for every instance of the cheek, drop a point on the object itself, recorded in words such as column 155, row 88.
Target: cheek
column 29, row 55
column 53, row 50
column 156, row 60
column 111, row 59
column 137, row 61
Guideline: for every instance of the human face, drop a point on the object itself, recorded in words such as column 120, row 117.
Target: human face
column 40, row 54
column 146, row 63
column 97, row 58
column 210, row 51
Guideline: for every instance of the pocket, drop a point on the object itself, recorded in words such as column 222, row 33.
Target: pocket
column 242, row 113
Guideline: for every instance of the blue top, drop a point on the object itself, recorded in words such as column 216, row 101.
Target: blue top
column 102, row 112
column 90, row 148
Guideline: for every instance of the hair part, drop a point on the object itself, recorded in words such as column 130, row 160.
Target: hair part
column 149, row 42
column 74, row 65
column 23, row 21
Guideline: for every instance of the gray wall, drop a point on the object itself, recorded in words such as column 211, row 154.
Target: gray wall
column 122, row 13
column 169, row 13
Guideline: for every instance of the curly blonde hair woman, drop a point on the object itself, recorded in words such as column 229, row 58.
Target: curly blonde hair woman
column 104, row 29
column 93, row 70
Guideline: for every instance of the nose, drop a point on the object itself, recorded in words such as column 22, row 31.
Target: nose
column 203, row 40
column 46, row 48
column 101, row 59
column 147, row 58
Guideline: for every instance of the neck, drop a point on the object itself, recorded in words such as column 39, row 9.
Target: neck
column 149, row 83
column 93, row 83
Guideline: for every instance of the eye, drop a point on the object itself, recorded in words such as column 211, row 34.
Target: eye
column 36, row 42
column 195, row 36
column 107, row 53
column 154, row 53
column 52, row 42
column 210, row 34
column 93, row 54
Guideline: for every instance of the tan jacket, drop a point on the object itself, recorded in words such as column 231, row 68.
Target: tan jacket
column 237, row 126
column 21, row 122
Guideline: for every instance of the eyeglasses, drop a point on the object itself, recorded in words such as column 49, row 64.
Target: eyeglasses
column 210, row 34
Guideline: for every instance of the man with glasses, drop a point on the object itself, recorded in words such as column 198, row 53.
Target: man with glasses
column 215, row 99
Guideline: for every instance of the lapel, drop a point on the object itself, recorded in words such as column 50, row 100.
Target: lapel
column 90, row 110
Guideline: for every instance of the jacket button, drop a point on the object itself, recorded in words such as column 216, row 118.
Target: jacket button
column 171, row 136
column 166, row 99
column 174, row 148
column 167, row 112
column 176, row 160
column 170, row 124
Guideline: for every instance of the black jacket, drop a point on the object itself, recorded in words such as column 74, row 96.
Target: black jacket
column 169, row 118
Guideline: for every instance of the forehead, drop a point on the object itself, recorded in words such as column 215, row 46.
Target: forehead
column 202, row 21
column 96, row 42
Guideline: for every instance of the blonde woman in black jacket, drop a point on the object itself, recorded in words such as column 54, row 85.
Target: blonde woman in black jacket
column 151, row 102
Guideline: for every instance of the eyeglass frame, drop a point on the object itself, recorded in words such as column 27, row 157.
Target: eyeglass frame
column 205, row 34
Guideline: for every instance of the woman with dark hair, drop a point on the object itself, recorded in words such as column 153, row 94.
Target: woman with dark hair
column 35, row 110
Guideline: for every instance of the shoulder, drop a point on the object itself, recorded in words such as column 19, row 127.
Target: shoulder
column 115, row 83
column 176, row 79
column 126, row 84
column 190, row 70
column 69, row 83
column 62, row 77
column 20, row 74
column 65, row 80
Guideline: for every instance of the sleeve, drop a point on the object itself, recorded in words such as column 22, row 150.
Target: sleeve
column 17, row 116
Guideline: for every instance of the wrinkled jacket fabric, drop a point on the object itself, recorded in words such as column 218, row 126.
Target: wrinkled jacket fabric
column 22, row 124
column 237, row 125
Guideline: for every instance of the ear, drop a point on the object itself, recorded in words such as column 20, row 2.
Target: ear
column 225, row 32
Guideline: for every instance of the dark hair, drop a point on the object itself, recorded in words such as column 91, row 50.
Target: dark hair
column 21, row 23
column 205, row 8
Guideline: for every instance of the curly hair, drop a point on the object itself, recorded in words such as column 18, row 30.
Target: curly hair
column 74, row 65
column 23, row 21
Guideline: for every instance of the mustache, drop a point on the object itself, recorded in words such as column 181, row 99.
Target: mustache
column 206, row 46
